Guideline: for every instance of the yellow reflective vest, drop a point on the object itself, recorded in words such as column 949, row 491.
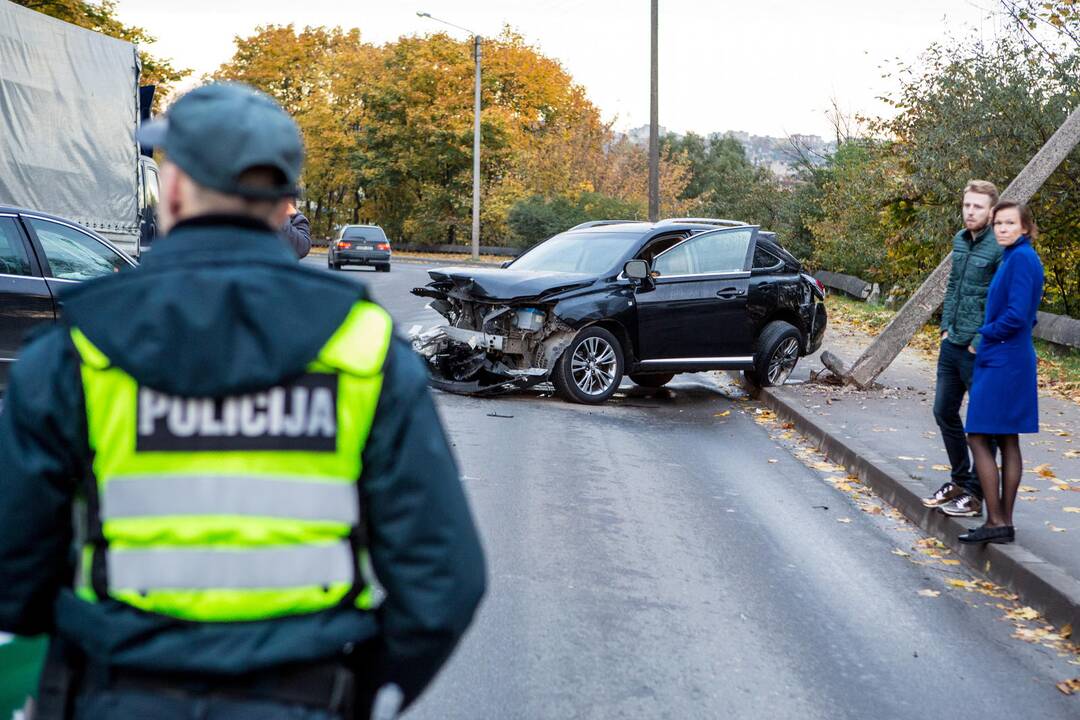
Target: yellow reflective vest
column 236, row 508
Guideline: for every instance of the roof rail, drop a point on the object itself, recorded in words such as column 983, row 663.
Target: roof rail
column 702, row 221
column 598, row 223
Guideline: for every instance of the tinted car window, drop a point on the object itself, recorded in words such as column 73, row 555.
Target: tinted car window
column 364, row 233
column 13, row 259
column 764, row 259
column 707, row 253
column 73, row 255
column 581, row 252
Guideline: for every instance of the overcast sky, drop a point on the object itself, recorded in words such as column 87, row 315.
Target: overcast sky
column 769, row 67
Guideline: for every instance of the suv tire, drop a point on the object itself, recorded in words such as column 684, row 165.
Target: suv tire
column 590, row 369
column 652, row 380
column 778, row 348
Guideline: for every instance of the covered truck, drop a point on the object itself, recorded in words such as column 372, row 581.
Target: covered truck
column 69, row 112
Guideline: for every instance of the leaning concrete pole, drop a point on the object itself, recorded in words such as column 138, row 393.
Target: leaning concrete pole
column 918, row 309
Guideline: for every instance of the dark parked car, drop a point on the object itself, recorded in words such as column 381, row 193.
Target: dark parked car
column 607, row 298
column 39, row 254
column 360, row 245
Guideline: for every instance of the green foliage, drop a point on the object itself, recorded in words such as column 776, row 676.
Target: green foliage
column 538, row 218
column 722, row 182
column 101, row 17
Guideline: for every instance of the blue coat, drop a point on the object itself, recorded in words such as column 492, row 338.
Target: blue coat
column 1004, row 391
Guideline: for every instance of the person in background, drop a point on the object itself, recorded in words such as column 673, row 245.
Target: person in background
column 1006, row 360
column 297, row 230
column 976, row 257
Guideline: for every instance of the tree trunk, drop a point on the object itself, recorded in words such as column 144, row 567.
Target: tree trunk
column 918, row 309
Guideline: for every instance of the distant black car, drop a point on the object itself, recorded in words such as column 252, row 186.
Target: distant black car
column 39, row 254
column 360, row 245
column 607, row 298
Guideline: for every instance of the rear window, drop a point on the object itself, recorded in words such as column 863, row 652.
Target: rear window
column 364, row 233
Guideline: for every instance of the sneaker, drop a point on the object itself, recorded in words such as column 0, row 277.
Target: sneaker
column 967, row 505
column 945, row 493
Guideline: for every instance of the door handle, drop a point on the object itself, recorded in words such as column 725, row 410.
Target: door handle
column 729, row 292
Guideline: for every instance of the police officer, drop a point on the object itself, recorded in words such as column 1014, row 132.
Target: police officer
column 226, row 492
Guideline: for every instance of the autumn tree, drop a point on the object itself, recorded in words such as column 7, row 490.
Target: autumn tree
column 101, row 17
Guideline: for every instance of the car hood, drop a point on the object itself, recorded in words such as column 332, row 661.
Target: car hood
column 505, row 284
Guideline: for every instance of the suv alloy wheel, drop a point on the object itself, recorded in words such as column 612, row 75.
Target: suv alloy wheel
column 778, row 348
column 591, row 369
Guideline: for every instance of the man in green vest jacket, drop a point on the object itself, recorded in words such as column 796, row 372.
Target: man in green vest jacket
column 975, row 258
column 226, row 489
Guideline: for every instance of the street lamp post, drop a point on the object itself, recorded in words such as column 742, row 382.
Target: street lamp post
column 476, row 134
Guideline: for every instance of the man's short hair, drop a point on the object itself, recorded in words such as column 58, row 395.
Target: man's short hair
column 983, row 187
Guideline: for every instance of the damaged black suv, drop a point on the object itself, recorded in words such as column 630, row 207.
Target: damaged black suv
column 609, row 298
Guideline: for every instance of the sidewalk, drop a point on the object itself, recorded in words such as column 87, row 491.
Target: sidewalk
column 888, row 437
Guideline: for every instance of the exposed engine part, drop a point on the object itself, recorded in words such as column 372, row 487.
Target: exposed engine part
column 487, row 347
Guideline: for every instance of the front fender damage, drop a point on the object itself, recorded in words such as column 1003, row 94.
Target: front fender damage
column 490, row 348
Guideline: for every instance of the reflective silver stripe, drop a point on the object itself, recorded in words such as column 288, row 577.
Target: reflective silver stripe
column 176, row 569
column 300, row 498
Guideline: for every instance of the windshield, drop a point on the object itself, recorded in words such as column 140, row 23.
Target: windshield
column 591, row 253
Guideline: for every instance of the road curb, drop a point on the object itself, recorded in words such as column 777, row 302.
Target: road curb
column 1040, row 584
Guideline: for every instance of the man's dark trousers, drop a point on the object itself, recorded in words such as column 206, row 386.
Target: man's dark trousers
column 956, row 365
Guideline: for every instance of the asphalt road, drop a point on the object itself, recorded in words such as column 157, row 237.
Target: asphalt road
column 659, row 557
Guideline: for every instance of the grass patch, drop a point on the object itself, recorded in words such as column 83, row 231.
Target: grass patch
column 1059, row 368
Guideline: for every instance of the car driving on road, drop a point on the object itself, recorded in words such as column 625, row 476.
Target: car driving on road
column 607, row 299
column 39, row 254
column 360, row 245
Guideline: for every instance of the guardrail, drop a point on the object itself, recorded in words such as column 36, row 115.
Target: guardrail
column 441, row 249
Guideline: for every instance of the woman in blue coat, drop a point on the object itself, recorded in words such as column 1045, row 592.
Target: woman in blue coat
column 1004, row 399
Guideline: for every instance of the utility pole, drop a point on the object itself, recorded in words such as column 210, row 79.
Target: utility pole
column 654, row 128
column 476, row 134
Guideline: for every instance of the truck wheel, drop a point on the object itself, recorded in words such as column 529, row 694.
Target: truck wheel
column 590, row 370
column 778, row 348
column 652, row 380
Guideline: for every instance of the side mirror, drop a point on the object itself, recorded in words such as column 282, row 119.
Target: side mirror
column 636, row 269
column 505, row 264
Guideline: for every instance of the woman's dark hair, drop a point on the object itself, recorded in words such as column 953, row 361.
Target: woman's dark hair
column 1027, row 220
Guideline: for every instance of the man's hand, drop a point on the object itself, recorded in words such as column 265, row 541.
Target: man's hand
column 292, row 208
column 944, row 334
column 971, row 349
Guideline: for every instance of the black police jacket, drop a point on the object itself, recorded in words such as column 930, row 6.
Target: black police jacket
column 220, row 306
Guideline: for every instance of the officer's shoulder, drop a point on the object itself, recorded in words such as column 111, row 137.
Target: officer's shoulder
column 404, row 370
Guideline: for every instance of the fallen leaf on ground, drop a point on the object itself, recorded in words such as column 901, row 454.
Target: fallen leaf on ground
column 1072, row 509
column 1066, row 632
column 1072, row 454
column 960, row 584
column 1069, row 686
column 773, row 460
column 1044, row 470
column 722, row 414
column 950, row 562
column 908, row 457
column 1054, row 528
column 929, row 593
column 901, row 553
column 1023, row 613
column 945, row 468
column 1028, row 488
column 843, row 520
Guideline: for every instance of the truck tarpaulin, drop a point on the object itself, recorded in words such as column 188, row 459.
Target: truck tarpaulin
column 69, row 110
